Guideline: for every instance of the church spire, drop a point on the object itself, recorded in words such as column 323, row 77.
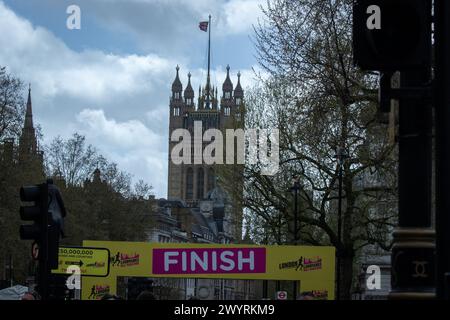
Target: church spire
column 29, row 113
column 28, row 142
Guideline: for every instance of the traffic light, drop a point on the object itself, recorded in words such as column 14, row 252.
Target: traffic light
column 37, row 212
column 392, row 35
column 46, row 228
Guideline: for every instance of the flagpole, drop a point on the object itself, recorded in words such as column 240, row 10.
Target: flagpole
column 209, row 63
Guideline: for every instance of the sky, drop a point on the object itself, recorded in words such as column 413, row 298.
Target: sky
column 110, row 80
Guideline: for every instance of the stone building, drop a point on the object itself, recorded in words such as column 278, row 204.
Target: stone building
column 192, row 182
column 198, row 209
column 27, row 153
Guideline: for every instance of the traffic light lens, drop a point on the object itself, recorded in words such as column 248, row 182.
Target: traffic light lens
column 30, row 193
column 30, row 213
column 29, row 232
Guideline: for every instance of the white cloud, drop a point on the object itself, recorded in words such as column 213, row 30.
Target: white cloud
column 46, row 61
column 176, row 20
column 241, row 15
column 120, row 102
column 124, row 135
column 133, row 146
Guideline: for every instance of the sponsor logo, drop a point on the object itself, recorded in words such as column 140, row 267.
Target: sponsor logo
column 303, row 264
column 314, row 295
column 98, row 291
column 125, row 260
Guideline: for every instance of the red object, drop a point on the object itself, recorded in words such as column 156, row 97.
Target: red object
column 203, row 26
column 35, row 251
column 281, row 295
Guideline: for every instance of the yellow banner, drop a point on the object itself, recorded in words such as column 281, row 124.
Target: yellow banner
column 313, row 266
column 91, row 261
column 94, row 288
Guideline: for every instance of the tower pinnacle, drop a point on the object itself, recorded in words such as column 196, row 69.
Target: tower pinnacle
column 29, row 112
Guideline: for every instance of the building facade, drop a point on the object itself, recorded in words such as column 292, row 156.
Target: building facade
column 192, row 182
column 198, row 209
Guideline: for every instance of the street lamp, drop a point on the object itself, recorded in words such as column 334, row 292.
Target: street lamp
column 295, row 188
column 341, row 155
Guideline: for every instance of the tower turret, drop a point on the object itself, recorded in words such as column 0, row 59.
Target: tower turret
column 238, row 92
column 177, row 87
column 189, row 93
column 227, row 86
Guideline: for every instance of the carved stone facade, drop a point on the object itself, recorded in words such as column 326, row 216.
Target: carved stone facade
column 194, row 182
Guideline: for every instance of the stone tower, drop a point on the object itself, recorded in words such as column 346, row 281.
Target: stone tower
column 29, row 153
column 192, row 182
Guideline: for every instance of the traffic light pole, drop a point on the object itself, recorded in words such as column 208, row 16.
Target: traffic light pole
column 442, row 105
column 413, row 249
column 44, row 272
column 47, row 213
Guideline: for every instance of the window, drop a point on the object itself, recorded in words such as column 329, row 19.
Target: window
column 227, row 95
column 227, row 111
column 177, row 95
column 188, row 101
column 189, row 184
column 238, row 101
column 176, row 111
column 200, row 183
column 163, row 239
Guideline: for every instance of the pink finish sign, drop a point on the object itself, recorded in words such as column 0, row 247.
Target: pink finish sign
column 209, row 260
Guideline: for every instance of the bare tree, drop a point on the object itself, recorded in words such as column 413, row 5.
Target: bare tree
column 12, row 107
column 320, row 102
column 101, row 200
column 72, row 159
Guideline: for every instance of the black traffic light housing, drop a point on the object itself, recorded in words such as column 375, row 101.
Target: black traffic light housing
column 392, row 35
column 44, row 231
column 37, row 212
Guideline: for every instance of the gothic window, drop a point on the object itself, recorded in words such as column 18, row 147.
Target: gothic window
column 227, row 111
column 176, row 111
column 177, row 95
column 189, row 184
column 227, row 95
column 211, row 179
column 200, row 183
column 188, row 101
column 238, row 101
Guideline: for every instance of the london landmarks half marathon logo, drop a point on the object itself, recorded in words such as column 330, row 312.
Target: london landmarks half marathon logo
column 98, row 291
column 303, row 264
column 124, row 259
